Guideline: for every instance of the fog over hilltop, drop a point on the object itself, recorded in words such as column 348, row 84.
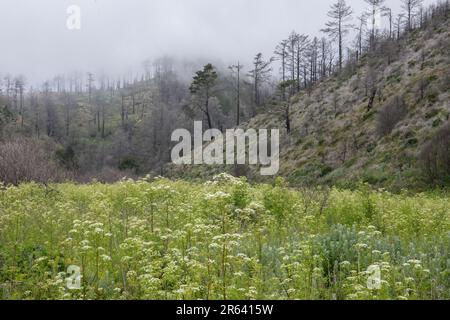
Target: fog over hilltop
column 117, row 35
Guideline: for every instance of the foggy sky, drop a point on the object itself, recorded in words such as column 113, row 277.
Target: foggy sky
column 117, row 35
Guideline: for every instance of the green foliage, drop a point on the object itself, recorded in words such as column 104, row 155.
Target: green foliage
column 224, row 239
column 432, row 113
column 203, row 79
column 310, row 172
column 433, row 97
column 437, row 123
column 5, row 115
column 435, row 157
column 67, row 157
column 129, row 164
column 278, row 201
column 369, row 115
column 374, row 177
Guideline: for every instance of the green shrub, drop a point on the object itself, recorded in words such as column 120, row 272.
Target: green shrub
column 129, row 164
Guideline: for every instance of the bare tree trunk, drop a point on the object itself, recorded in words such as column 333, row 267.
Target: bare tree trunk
column 103, row 121
column 208, row 114
column 288, row 118
column 238, row 111
column 123, row 111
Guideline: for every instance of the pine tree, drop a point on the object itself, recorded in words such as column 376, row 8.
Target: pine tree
column 201, row 87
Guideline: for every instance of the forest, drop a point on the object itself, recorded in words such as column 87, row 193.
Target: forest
column 85, row 126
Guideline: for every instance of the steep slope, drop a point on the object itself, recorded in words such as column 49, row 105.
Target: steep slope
column 338, row 138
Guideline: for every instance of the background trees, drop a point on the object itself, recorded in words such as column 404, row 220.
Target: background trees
column 259, row 74
column 338, row 27
column 26, row 160
column 112, row 120
column 375, row 12
column 236, row 70
column 410, row 7
column 435, row 157
column 281, row 52
column 387, row 12
column 301, row 47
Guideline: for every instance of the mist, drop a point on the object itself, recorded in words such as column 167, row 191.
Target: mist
column 117, row 35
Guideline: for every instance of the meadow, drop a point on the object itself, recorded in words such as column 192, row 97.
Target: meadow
column 224, row 239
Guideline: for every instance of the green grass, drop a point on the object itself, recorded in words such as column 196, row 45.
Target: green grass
column 225, row 239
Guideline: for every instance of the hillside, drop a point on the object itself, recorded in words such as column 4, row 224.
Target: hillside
column 337, row 138
column 382, row 119
column 114, row 128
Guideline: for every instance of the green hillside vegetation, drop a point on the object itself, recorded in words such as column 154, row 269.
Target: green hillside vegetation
column 112, row 130
column 336, row 138
column 379, row 117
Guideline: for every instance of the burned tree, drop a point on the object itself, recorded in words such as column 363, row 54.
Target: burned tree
column 260, row 74
column 301, row 47
column 281, row 51
column 236, row 70
column 435, row 157
column 410, row 7
column 375, row 9
column 339, row 26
